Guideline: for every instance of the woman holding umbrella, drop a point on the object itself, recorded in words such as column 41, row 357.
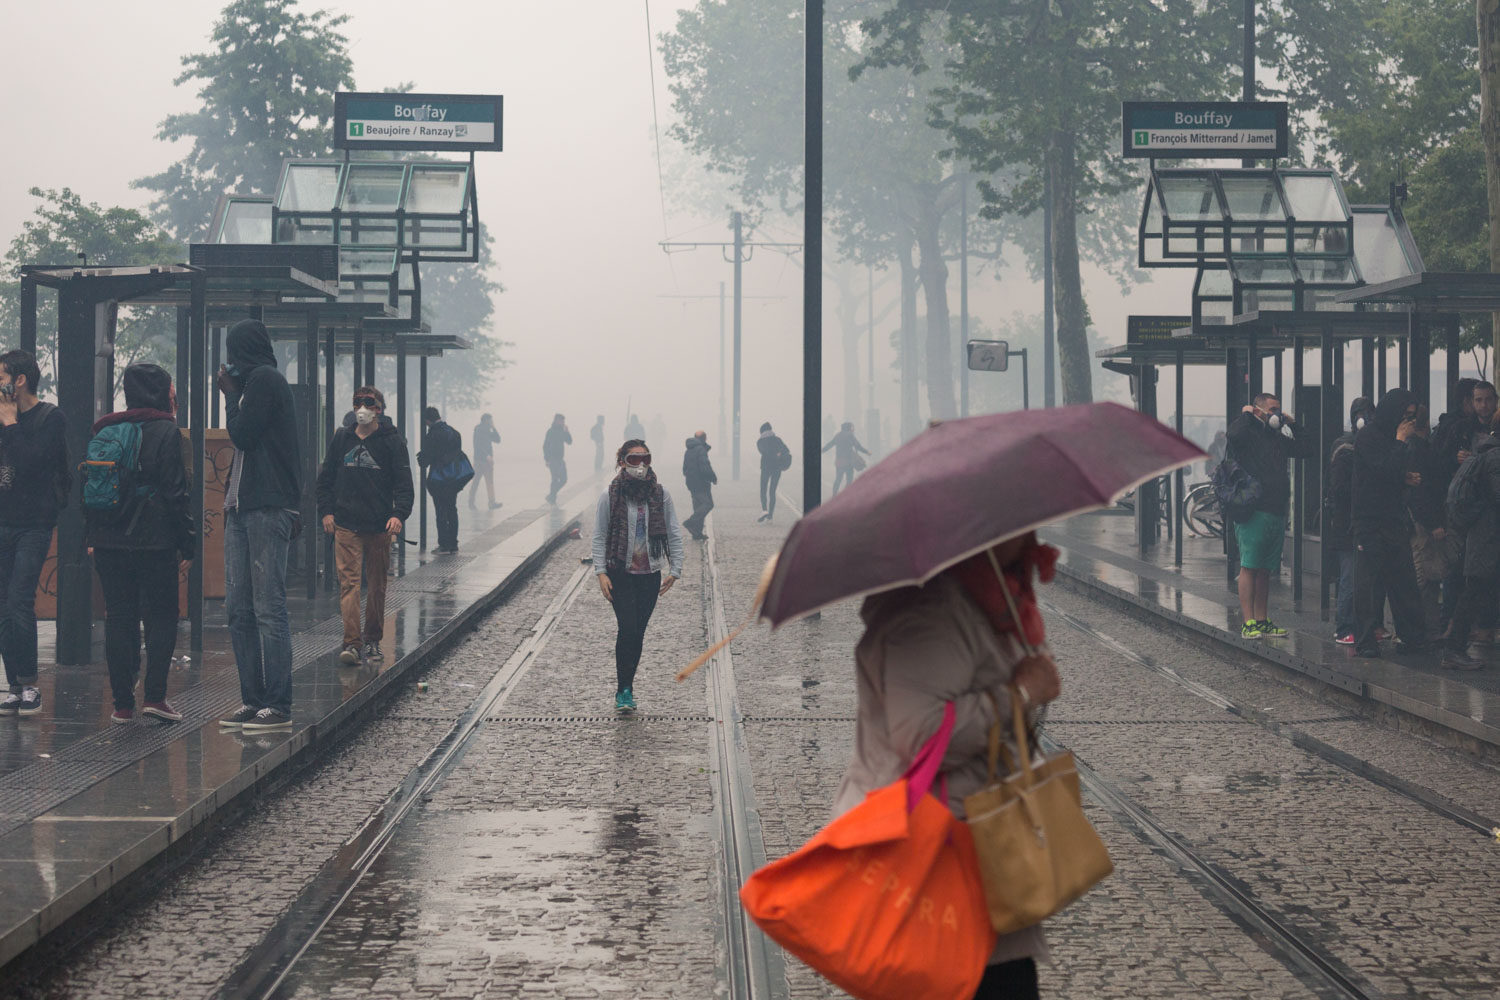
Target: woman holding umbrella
column 950, row 615
column 636, row 536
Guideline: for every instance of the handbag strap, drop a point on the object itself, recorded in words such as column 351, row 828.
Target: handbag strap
column 924, row 767
column 998, row 751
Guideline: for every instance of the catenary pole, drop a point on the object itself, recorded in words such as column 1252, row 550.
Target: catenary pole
column 812, row 271
column 1049, row 348
column 736, row 222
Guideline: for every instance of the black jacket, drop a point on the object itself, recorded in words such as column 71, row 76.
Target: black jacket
column 1482, row 540
column 35, row 476
column 1453, row 434
column 696, row 468
column 1264, row 454
column 1380, row 466
column 773, row 453
column 364, row 483
column 552, row 444
column 1338, row 510
column 163, row 518
column 1427, row 501
column 485, row 438
column 443, row 445
column 262, row 422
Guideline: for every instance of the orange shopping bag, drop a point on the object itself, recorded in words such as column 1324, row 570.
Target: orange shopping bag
column 886, row 901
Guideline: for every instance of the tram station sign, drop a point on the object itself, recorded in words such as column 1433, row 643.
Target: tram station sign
column 465, row 123
column 1204, row 129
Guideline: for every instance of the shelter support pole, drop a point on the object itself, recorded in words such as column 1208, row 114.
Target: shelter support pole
column 1234, row 398
column 78, row 334
column 1257, row 369
column 215, row 359
column 1383, row 370
column 402, row 429
column 184, row 383
column 369, row 364
column 1403, row 361
column 1419, row 346
column 1299, row 466
column 736, row 223
column 1180, row 473
column 357, row 372
column 1450, row 347
column 196, row 386
column 1329, row 562
column 963, row 298
column 307, row 367
column 1278, row 382
column 1146, row 516
column 331, row 349
column 28, row 316
column 1367, row 369
column 421, row 476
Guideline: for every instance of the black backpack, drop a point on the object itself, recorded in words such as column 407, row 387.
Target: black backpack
column 1466, row 495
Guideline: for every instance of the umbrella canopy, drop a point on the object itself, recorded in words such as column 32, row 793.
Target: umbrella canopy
column 960, row 487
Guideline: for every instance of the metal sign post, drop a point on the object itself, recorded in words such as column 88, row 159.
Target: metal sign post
column 994, row 356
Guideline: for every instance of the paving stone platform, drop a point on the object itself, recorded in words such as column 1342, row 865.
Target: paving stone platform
column 84, row 803
column 1100, row 554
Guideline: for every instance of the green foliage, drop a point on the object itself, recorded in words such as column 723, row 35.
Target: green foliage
column 266, row 94
column 460, row 299
column 65, row 226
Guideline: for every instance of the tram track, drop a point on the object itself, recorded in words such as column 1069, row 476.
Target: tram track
column 264, row 971
column 1271, row 930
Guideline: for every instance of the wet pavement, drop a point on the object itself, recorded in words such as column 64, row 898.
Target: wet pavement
column 1100, row 553
column 573, row 853
column 84, row 803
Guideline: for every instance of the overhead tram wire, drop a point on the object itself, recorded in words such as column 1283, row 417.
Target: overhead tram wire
column 661, row 185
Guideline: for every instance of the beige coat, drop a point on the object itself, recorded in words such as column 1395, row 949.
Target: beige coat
column 922, row 648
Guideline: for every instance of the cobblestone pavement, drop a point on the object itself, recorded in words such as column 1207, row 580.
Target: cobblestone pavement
column 570, row 853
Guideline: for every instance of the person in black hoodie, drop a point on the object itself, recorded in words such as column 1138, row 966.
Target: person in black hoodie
column 1434, row 550
column 1382, row 527
column 441, row 446
column 34, row 484
column 139, row 548
column 557, row 438
column 261, row 499
column 698, row 471
column 775, row 458
column 1262, row 440
column 1338, row 535
column 364, row 497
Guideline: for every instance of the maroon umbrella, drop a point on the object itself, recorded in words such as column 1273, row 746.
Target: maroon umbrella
column 961, row 487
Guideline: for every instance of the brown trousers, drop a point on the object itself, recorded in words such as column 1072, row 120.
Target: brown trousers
column 373, row 550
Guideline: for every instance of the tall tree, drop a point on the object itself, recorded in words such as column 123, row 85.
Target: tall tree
column 63, row 226
column 460, row 299
column 1033, row 89
column 266, row 94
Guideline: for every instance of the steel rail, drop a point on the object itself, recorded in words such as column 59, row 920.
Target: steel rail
column 754, row 968
column 263, row 972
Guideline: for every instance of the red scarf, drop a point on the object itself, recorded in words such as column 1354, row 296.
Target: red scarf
column 977, row 576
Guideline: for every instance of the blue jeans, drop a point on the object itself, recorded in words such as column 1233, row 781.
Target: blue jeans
column 255, row 550
column 1343, row 615
column 22, row 553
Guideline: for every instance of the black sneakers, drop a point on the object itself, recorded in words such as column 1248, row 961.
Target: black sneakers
column 31, row 702
column 372, row 651
column 237, row 718
column 266, row 719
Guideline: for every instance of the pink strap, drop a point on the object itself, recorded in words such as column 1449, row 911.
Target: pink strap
column 928, row 761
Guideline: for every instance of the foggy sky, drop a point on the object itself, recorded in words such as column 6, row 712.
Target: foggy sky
column 573, row 202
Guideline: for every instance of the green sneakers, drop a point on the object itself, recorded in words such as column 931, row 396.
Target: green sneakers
column 625, row 701
column 1263, row 629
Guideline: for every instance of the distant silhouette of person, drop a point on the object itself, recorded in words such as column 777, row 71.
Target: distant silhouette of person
column 846, row 451
column 558, row 437
column 596, row 434
column 634, row 429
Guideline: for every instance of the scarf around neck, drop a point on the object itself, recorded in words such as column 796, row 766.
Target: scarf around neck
column 648, row 491
column 978, row 579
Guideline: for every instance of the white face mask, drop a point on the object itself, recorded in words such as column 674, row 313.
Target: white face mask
column 364, row 415
column 638, row 471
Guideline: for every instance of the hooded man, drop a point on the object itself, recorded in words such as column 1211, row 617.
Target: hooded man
column 441, row 447
column 1338, row 511
column 1262, row 440
column 846, row 451
column 1382, row 528
column 558, row 436
column 138, row 547
column 261, row 502
column 1480, row 562
column 364, row 498
column 699, row 473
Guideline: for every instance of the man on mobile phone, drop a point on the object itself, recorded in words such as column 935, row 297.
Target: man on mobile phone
column 261, row 501
column 34, row 483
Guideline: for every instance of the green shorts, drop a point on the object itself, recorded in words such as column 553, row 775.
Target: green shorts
column 1260, row 539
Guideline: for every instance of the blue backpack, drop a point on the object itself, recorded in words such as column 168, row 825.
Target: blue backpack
column 109, row 470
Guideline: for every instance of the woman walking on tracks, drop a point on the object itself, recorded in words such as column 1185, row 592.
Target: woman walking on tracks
column 636, row 536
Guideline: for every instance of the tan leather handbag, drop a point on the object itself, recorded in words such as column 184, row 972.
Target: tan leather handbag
column 1037, row 851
